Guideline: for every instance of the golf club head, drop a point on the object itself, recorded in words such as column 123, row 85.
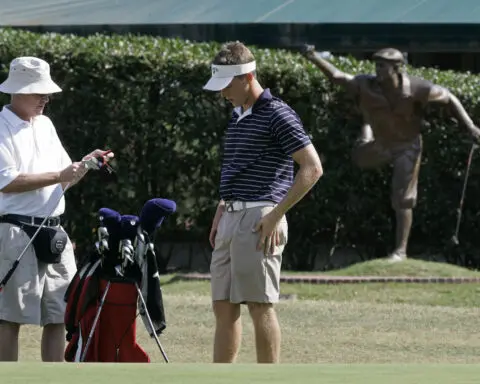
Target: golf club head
column 127, row 233
column 126, row 252
column 154, row 212
column 110, row 222
column 102, row 233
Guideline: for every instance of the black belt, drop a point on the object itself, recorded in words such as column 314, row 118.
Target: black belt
column 53, row 221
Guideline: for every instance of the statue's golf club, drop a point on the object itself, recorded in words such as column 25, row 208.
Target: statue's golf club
column 454, row 238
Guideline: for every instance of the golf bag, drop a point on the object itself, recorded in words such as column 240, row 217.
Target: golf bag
column 120, row 276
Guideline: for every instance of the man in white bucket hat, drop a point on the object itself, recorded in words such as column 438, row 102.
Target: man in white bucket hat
column 29, row 76
column 34, row 169
column 264, row 138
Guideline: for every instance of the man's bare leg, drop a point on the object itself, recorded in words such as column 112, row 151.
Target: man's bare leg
column 9, row 333
column 228, row 331
column 53, row 343
column 267, row 332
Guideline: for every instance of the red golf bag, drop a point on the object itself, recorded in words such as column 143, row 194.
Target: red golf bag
column 92, row 293
column 103, row 297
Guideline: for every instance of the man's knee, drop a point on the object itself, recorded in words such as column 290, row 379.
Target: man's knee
column 226, row 311
column 54, row 326
column 404, row 193
column 260, row 310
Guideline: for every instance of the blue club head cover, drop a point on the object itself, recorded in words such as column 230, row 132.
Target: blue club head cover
column 128, row 227
column 154, row 212
column 110, row 219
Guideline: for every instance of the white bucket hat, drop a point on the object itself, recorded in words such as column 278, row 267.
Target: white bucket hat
column 222, row 75
column 29, row 75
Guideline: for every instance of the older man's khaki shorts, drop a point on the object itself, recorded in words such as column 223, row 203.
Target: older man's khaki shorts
column 35, row 292
column 239, row 273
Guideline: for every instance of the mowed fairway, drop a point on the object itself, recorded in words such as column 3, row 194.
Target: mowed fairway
column 418, row 329
column 36, row 373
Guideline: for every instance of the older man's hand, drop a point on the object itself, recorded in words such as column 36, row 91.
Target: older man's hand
column 72, row 174
column 97, row 153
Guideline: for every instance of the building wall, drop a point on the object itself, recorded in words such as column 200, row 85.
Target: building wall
column 446, row 46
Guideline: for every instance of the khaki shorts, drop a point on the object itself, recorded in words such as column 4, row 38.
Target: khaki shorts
column 35, row 292
column 240, row 273
column 406, row 161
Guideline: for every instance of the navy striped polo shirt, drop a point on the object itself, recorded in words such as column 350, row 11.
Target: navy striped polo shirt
column 257, row 163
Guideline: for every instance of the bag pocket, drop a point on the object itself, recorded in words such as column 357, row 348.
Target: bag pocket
column 49, row 243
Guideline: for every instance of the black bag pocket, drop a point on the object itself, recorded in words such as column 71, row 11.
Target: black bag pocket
column 49, row 243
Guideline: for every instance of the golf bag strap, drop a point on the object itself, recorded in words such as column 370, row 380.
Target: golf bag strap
column 152, row 292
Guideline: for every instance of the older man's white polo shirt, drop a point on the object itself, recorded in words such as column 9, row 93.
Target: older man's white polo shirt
column 30, row 147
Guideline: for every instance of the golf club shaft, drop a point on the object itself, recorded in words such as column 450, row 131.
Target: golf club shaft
column 150, row 323
column 467, row 172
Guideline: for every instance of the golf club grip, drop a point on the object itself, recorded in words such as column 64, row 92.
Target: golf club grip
column 9, row 274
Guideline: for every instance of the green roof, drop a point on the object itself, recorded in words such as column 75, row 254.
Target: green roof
column 87, row 12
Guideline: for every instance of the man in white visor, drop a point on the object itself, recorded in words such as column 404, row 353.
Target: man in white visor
column 249, row 232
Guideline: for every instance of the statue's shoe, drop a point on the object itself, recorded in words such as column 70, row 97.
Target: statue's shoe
column 396, row 257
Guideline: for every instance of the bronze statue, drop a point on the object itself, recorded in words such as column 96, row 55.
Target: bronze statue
column 392, row 104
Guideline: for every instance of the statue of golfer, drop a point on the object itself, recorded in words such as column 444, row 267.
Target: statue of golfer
column 392, row 104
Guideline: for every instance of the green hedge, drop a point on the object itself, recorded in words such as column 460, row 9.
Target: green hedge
column 143, row 98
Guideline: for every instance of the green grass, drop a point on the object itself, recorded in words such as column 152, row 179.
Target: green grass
column 452, row 295
column 362, row 333
column 316, row 332
column 238, row 374
column 410, row 267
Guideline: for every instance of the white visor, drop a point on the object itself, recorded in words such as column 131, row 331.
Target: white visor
column 222, row 75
